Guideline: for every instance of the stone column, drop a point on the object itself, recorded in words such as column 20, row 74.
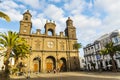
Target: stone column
column 43, row 62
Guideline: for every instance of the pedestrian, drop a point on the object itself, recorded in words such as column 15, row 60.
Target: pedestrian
column 2, row 68
column 54, row 71
column 57, row 69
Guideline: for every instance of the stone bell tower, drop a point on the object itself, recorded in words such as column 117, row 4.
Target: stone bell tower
column 70, row 30
column 50, row 27
column 26, row 24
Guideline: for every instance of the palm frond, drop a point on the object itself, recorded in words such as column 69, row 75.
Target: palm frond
column 5, row 16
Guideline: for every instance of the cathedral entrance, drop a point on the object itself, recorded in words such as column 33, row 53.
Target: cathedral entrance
column 50, row 63
column 37, row 64
column 62, row 65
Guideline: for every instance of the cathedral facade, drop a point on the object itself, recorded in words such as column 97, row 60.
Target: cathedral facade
column 49, row 52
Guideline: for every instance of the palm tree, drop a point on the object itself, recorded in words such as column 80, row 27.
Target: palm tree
column 77, row 46
column 5, row 16
column 20, row 50
column 10, row 41
column 111, row 50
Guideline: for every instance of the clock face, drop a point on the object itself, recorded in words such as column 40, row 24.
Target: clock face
column 50, row 44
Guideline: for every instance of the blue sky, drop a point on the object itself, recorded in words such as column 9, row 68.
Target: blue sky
column 92, row 18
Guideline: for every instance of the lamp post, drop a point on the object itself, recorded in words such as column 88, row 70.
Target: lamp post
column 28, row 76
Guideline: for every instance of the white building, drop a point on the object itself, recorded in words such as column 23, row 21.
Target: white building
column 82, row 63
column 2, row 50
column 115, row 36
column 2, row 53
column 94, row 60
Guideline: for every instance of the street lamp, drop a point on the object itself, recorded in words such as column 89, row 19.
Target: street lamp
column 28, row 77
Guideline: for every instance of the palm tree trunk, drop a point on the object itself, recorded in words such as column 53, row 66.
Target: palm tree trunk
column 16, row 62
column 113, row 65
column 6, row 73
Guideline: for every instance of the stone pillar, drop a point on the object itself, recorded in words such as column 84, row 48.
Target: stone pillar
column 57, row 61
column 43, row 62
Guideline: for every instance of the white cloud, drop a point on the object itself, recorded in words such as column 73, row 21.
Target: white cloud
column 56, row 14
column 75, row 7
column 32, row 3
column 38, row 23
column 86, row 21
column 10, row 8
column 87, row 28
column 55, row 1
column 9, row 4
column 111, row 21
column 5, row 5
column 53, row 12
column 14, row 15
column 3, row 30
column 110, row 6
column 91, row 28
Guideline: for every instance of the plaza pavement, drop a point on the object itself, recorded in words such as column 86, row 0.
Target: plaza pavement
column 71, row 76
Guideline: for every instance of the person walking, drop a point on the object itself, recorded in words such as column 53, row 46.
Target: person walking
column 54, row 70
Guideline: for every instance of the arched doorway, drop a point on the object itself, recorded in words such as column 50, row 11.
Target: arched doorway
column 62, row 65
column 37, row 64
column 50, row 63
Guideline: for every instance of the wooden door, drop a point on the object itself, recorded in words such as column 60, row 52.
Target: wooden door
column 35, row 67
column 61, row 64
column 49, row 66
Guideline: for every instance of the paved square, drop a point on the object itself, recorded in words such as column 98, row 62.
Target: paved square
column 72, row 76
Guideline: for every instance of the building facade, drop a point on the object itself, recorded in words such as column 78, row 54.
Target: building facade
column 49, row 51
column 94, row 60
column 82, row 63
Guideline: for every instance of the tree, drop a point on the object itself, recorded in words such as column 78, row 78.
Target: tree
column 5, row 16
column 20, row 50
column 111, row 50
column 77, row 46
column 10, row 41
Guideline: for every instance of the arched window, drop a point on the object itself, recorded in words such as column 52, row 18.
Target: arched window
column 50, row 32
